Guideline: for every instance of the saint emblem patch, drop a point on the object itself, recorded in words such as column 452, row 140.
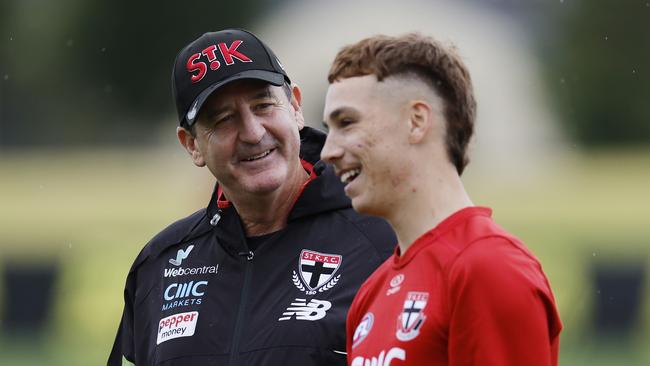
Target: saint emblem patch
column 316, row 271
column 412, row 317
column 363, row 329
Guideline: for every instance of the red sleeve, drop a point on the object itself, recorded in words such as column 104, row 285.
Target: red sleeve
column 351, row 322
column 501, row 309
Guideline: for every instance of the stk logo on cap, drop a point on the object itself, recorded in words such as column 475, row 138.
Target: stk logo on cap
column 215, row 59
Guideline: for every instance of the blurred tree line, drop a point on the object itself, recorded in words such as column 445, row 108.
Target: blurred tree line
column 75, row 72
column 598, row 62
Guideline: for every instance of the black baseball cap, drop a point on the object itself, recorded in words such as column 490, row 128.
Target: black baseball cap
column 215, row 59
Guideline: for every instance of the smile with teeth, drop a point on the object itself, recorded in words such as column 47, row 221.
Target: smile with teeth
column 259, row 156
column 349, row 176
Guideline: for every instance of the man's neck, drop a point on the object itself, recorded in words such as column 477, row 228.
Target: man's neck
column 426, row 206
column 267, row 213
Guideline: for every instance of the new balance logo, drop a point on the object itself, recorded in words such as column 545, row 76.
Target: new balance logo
column 303, row 310
column 180, row 255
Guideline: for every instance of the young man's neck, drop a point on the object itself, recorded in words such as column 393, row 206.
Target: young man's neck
column 426, row 206
column 268, row 213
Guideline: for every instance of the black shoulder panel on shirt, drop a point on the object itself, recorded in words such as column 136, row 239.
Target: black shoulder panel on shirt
column 377, row 230
column 180, row 231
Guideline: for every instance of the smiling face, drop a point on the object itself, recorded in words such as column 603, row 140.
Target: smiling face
column 247, row 134
column 367, row 141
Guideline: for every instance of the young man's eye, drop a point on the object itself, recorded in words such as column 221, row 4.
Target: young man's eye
column 344, row 122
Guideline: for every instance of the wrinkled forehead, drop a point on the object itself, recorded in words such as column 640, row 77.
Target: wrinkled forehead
column 247, row 89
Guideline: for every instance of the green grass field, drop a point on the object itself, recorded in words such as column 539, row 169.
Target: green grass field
column 91, row 212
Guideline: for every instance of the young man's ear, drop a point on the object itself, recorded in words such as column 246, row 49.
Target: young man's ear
column 296, row 103
column 190, row 144
column 421, row 118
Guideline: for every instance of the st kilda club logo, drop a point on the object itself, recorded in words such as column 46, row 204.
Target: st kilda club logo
column 410, row 320
column 228, row 53
column 316, row 271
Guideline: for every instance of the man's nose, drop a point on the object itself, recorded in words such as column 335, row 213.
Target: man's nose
column 331, row 150
column 251, row 128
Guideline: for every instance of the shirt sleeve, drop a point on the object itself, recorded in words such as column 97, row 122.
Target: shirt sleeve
column 123, row 352
column 501, row 308
column 351, row 322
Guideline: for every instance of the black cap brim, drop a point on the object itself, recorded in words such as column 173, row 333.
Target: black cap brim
column 271, row 77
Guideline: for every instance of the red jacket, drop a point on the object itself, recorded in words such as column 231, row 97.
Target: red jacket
column 465, row 293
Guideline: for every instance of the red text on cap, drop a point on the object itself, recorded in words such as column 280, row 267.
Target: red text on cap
column 228, row 54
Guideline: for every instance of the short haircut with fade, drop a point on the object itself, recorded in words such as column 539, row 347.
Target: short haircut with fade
column 436, row 65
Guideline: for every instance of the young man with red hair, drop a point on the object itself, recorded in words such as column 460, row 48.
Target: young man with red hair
column 459, row 290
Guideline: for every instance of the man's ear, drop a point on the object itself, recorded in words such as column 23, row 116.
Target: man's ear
column 296, row 103
column 420, row 119
column 190, row 144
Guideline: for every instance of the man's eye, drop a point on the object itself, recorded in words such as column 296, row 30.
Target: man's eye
column 263, row 106
column 217, row 120
column 344, row 122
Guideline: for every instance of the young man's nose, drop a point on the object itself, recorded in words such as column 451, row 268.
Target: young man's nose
column 331, row 150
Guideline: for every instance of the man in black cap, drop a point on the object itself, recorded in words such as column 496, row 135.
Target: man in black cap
column 264, row 275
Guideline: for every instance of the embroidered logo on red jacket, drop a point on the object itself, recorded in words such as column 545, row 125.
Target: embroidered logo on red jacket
column 363, row 329
column 395, row 284
column 410, row 321
column 316, row 271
